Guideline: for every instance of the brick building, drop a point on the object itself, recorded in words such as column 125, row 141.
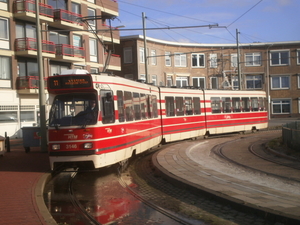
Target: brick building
column 68, row 42
column 273, row 67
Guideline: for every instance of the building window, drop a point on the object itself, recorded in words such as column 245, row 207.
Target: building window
column 281, row 106
column 27, row 113
column 142, row 55
column 77, row 40
column 180, row 60
column 253, row 59
column 3, row 5
column 5, row 72
column 280, row 82
column 182, row 82
column 153, row 58
column 94, row 70
column 59, row 38
column 213, row 61
column 143, row 77
column 298, row 57
column 280, row 58
column 199, row 82
column 76, row 8
column 168, row 58
column 154, row 80
column 4, row 34
column 93, row 50
column 235, row 82
column 57, row 69
column 198, row 60
column 127, row 55
column 214, row 83
column 298, row 78
column 57, row 4
column 8, row 113
column 27, row 68
column 234, row 60
column 254, row 81
column 92, row 15
column 169, row 81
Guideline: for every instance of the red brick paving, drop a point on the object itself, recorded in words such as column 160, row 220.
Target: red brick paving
column 19, row 174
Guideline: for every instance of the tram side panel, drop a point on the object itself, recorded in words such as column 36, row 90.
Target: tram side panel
column 182, row 115
column 235, row 111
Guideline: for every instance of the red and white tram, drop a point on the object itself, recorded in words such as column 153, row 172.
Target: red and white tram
column 101, row 120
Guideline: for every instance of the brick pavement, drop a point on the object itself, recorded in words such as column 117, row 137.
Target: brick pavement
column 22, row 176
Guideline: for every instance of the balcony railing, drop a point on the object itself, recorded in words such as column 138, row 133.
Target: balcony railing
column 69, row 50
column 29, row 6
column 64, row 15
column 29, row 82
column 24, row 44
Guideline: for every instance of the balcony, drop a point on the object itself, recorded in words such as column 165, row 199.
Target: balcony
column 29, row 85
column 70, row 53
column 110, row 6
column 115, row 62
column 25, row 10
column 66, row 20
column 28, row 47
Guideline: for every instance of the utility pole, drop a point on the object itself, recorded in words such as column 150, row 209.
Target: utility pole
column 238, row 60
column 43, row 131
column 145, row 47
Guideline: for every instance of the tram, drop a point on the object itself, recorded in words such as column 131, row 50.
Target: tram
column 99, row 120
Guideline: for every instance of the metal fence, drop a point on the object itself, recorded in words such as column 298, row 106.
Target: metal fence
column 291, row 135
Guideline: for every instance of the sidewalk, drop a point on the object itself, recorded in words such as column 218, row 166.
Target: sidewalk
column 22, row 178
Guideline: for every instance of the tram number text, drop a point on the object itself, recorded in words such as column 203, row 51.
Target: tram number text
column 71, row 146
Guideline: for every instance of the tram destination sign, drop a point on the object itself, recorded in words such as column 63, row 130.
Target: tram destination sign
column 70, row 82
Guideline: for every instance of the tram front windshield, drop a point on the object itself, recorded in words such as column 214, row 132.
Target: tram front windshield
column 73, row 110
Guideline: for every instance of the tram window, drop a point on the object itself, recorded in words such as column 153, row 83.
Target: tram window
column 169, row 106
column 226, row 105
column 108, row 111
column 143, row 106
column 149, row 107
column 246, row 104
column 196, row 102
column 136, row 106
column 188, row 106
column 254, row 104
column 179, row 106
column 236, row 104
column 120, row 102
column 261, row 104
column 154, row 106
column 128, row 106
column 215, row 105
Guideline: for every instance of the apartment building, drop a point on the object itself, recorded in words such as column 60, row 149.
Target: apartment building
column 68, row 42
column 273, row 67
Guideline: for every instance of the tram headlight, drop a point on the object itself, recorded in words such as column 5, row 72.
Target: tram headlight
column 87, row 145
column 55, row 146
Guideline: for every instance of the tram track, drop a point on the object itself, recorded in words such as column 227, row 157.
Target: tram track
column 282, row 167
column 140, row 179
column 137, row 194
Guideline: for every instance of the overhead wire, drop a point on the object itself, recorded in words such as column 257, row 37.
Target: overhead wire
column 244, row 13
column 174, row 14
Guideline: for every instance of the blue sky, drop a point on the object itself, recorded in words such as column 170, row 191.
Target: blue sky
column 256, row 20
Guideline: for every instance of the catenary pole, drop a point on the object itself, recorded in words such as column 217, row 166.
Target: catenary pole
column 238, row 60
column 145, row 47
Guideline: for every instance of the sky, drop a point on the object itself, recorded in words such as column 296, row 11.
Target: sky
column 255, row 20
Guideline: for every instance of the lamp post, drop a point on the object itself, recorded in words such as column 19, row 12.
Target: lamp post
column 43, row 132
